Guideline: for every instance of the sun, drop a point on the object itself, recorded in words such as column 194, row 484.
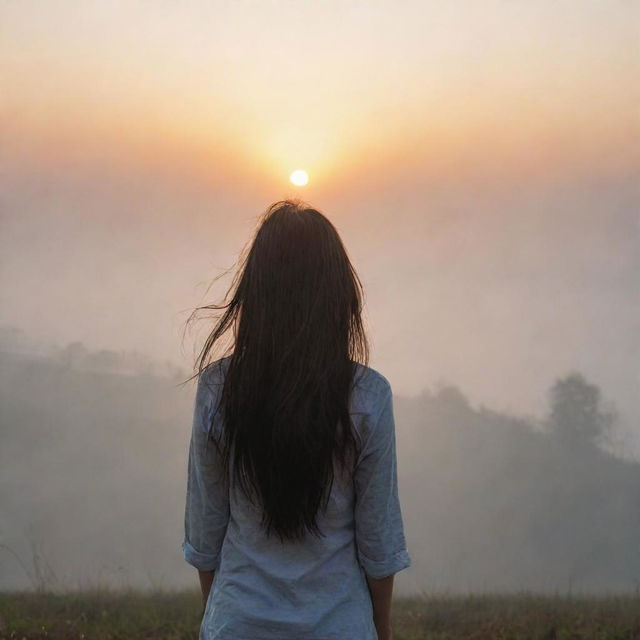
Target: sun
column 299, row 178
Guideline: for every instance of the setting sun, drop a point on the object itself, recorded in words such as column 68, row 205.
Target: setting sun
column 299, row 178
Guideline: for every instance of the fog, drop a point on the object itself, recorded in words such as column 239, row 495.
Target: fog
column 93, row 477
column 481, row 164
column 495, row 279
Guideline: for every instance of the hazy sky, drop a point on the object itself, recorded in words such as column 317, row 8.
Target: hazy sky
column 480, row 160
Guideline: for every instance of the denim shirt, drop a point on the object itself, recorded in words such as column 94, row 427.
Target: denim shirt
column 314, row 589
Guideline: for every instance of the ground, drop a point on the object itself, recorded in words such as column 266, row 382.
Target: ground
column 108, row 615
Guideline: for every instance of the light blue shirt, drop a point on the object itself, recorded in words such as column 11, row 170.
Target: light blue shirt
column 311, row 590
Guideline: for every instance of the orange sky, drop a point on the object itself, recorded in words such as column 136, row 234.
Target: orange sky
column 266, row 87
column 480, row 160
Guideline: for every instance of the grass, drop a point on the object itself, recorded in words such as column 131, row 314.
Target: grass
column 517, row 617
column 102, row 614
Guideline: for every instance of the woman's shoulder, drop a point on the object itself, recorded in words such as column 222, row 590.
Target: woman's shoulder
column 366, row 377
column 209, row 389
column 210, row 382
column 370, row 379
column 371, row 389
column 213, row 373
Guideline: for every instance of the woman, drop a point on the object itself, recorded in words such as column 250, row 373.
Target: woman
column 292, row 513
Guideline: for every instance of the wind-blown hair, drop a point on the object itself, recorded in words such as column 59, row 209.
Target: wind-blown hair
column 295, row 309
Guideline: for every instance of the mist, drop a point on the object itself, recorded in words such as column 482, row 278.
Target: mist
column 481, row 165
column 93, row 471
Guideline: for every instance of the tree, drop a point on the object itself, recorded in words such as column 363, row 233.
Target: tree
column 576, row 413
column 73, row 354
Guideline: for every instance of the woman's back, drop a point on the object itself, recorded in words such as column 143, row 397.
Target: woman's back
column 315, row 589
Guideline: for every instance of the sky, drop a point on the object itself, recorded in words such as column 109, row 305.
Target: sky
column 479, row 159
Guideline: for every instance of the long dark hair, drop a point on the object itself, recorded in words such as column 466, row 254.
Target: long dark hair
column 295, row 308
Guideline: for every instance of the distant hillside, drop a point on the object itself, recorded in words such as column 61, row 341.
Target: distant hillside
column 492, row 502
column 93, row 473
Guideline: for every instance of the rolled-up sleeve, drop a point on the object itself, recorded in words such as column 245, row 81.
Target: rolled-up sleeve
column 379, row 530
column 207, row 503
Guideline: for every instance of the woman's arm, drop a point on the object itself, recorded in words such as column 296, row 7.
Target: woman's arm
column 206, row 580
column 379, row 530
column 207, row 507
column 381, row 590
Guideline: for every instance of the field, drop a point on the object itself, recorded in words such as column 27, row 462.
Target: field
column 103, row 614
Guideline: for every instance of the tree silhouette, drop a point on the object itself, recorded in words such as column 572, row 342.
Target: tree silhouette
column 576, row 414
column 73, row 354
